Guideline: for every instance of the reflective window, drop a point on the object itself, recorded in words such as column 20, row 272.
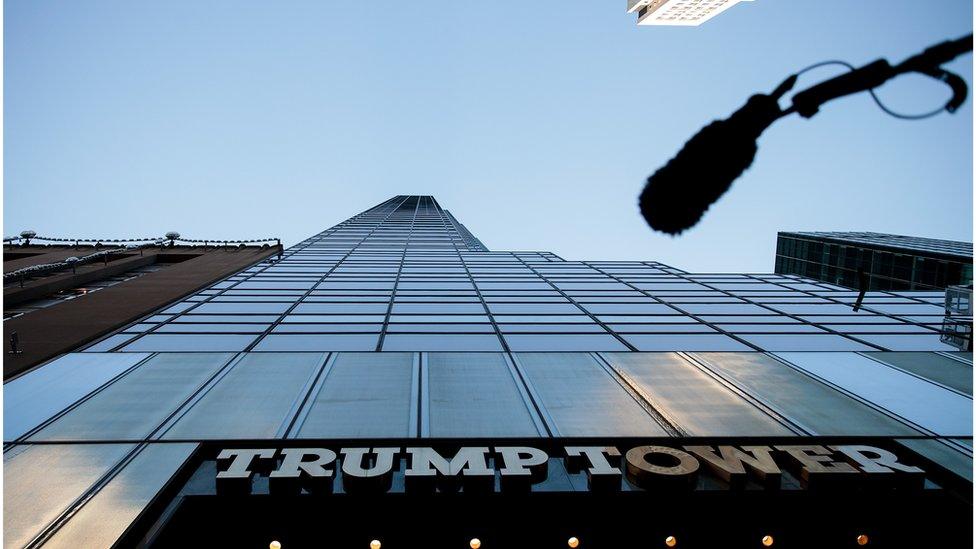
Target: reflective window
column 265, row 319
column 38, row 395
column 767, row 328
column 137, row 403
column 696, row 327
column 564, row 342
column 630, row 309
column 908, row 342
column 558, row 328
column 140, row 328
column 326, row 328
column 945, row 453
column 178, row 308
column 582, row 399
column 264, row 283
column 804, row 342
column 575, row 319
column 40, row 482
column 241, row 308
column 109, row 343
column 905, row 309
column 933, row 366
column 333, row 318
column 432, row 308
column 724, row 309
column 438, row 342
column 216, row 328
column 363, row 395
column 341, row 308
column 439, row 318
column 534, row 308
column 475, row 395
column 939, row 410
column 253, row 400
column 815, row 407
column 687, row 395
column 685, row 342
column 867, row 328
column 441, row 328
column 318, row 342
column 190, row 342
column 106, row 516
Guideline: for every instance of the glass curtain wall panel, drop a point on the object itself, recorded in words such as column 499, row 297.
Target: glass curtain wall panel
column 814, row 406
column 41, row 481
column 403, row 275
column 684, row 342
column 931, row 407
column 318, row 342
column 256, row 398
column 804, row 342
column 473, row 395
column 109, row 343
column 564, row 342
column 38, row 395
column 932, row 366
column 694, row 401
column 104, row 518
column 947, row 453
column 363, row 395
column 137, row 403
column 438, row 342
column 190, row 342
column 579, row 397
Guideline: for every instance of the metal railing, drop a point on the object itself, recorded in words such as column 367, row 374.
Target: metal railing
column 120, row 245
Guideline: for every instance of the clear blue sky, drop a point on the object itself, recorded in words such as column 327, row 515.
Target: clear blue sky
column 535, row 123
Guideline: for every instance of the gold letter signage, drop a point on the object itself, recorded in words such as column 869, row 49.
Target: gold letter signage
column 484, row 469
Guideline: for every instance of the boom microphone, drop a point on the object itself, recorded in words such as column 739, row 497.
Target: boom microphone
column 677, row 195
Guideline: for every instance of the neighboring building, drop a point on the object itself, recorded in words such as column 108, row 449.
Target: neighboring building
column 391, row 380
column 54, row 306
column 677, row 12
column 891, row 262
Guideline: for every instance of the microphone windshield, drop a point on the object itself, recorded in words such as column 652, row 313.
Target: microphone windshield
column 677, row 195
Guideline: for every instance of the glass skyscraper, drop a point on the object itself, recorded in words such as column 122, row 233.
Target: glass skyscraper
column 890, row 261
column 319, row 398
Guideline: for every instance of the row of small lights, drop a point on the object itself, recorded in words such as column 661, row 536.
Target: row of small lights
column 574, row 542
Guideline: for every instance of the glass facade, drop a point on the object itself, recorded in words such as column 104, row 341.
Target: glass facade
column 891, row 262
column 405, row 274
column 399, row 324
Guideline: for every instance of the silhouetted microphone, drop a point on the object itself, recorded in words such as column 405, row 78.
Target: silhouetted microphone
column 677, row 195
